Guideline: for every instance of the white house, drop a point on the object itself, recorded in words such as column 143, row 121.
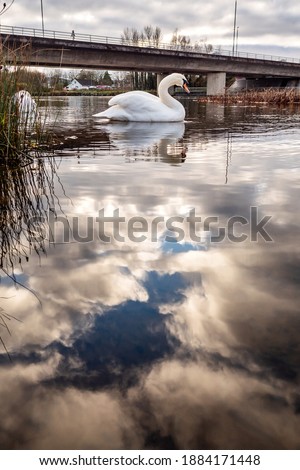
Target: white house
column 80, row 84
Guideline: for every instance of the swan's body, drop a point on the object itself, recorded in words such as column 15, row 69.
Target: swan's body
column 141, row 106
column 26, row 107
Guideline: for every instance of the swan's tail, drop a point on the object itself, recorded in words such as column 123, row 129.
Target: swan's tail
column 103, row 115
column 114, row 113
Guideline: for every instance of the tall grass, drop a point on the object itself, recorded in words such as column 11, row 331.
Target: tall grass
column 27, row 174
column 9, row 135
column 17, row 139
column 27, row 170
column 26, row 197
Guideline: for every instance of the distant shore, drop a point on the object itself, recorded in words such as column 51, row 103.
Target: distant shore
column 285, row 96
column 84, row 92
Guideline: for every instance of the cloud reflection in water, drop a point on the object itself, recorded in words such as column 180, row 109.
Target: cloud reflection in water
column 139, row 346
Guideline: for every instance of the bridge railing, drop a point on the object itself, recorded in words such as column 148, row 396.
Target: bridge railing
column 92, row 38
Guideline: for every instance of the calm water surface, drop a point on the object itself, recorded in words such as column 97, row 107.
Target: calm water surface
column 169, row 333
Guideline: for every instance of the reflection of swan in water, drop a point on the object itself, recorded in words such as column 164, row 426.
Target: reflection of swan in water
column 149, row 140
column 140, row 106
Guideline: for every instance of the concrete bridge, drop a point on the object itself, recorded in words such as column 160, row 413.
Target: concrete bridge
column 60, row 49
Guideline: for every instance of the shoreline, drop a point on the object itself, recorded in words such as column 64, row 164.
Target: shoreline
column 285, row 96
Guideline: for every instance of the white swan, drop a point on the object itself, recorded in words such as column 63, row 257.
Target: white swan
column 26, row 108
column 143, row 107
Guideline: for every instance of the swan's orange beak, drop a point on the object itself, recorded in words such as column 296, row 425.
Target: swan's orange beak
column 185, row 86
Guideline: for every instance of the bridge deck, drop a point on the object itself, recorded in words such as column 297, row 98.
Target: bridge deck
column 61, row 49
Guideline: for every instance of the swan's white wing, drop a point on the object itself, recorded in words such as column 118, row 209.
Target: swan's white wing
column 133, row 99
column 132, row 106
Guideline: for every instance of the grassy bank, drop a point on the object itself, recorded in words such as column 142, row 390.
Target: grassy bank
column 286, row 96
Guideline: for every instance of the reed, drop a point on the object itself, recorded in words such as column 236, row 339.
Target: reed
column 271, row 96
column 26, row 197
column 17, row 141
column 9, row 137
column 27, row 174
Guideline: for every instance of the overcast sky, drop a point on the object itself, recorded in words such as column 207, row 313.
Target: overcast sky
column 262, row 24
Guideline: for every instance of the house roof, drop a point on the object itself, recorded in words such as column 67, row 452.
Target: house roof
column 86, row 82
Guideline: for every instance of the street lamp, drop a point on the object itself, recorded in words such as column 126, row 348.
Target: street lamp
column 236, row 42
column 42, row 14
column 234, row 27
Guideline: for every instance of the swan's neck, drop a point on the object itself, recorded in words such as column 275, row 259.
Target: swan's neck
column 164, row 95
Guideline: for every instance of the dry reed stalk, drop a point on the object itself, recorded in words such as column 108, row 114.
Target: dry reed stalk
column 286, row 96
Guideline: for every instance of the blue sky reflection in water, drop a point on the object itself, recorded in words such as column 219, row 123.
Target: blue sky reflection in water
column 160, row 344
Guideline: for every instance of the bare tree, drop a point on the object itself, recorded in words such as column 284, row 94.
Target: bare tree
column 208, row 48
column 157, row 36
column 135, row 36
column 126, row 36
column 150, row 34
column 148, row 30
column 203, row 46
column 180, row 40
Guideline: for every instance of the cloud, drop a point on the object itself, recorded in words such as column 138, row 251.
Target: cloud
column 185, row 405
column 263, row 23
column 199, row 407
column 63, row 419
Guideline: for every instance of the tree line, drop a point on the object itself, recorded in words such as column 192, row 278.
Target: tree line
column 152, row 36
column 39, row 82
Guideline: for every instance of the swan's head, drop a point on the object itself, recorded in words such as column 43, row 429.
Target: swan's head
column 180, row 80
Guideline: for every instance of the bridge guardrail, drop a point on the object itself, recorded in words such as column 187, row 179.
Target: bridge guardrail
column 91, row 38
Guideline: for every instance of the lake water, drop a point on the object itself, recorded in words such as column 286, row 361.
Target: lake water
column 158, row 296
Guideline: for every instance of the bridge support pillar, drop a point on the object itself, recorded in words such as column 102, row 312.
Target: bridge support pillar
column 216, row 83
